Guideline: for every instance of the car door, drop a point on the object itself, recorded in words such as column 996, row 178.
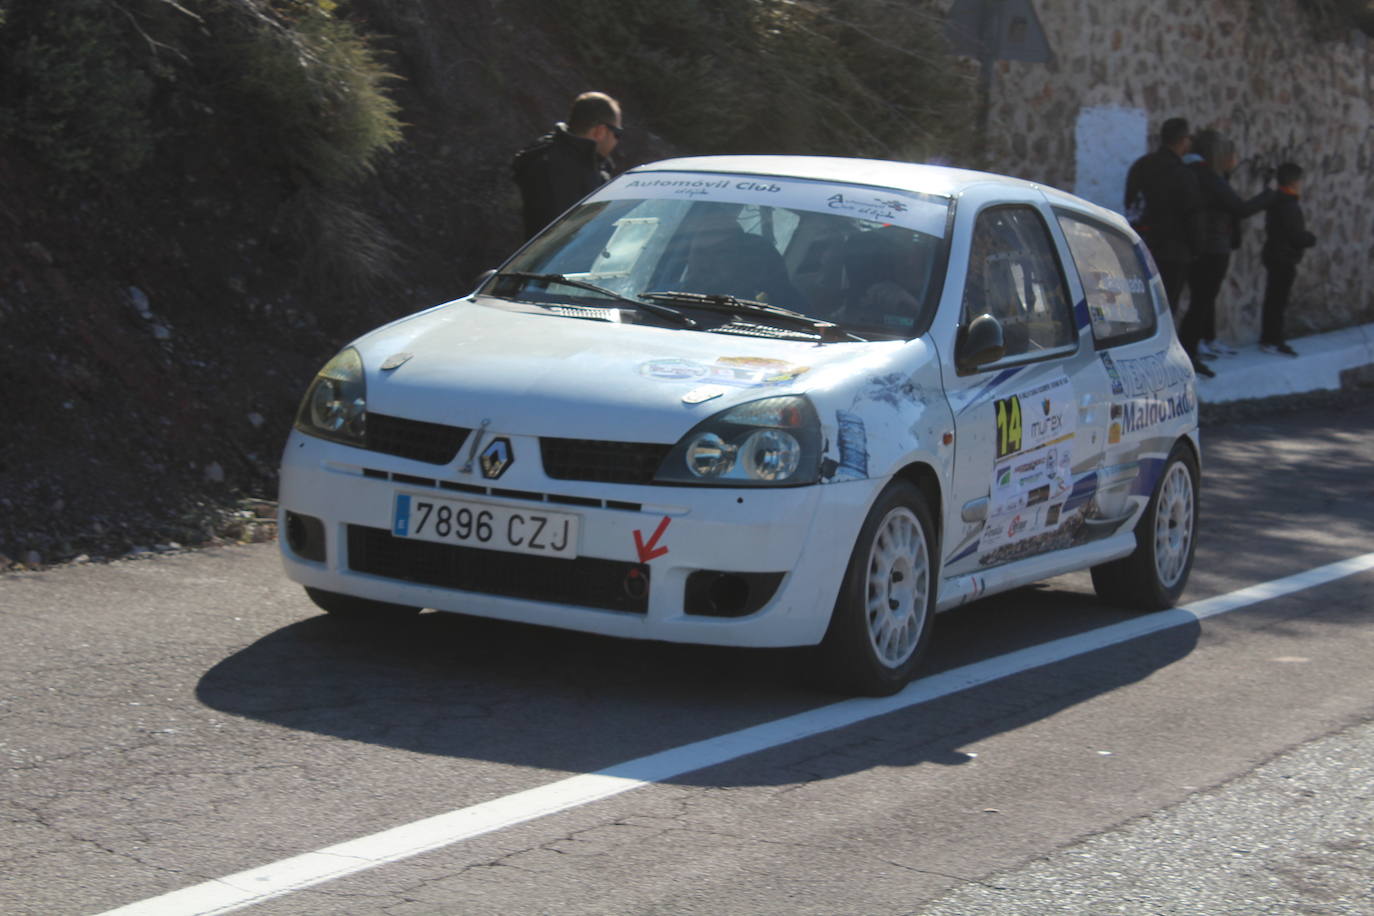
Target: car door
column 1029, row 427
column 1150, row 385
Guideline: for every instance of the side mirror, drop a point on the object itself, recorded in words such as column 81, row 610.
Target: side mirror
column 980, row 343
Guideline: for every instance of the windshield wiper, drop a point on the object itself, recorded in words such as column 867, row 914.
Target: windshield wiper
column 654, row 307
column 720, row 302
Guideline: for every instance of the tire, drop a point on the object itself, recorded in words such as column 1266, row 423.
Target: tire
column 1153, row 577
column 882, row 619
column 351, row 608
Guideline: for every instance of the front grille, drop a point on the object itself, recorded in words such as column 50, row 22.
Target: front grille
column 586, row 581
column 601, row 461
column 433, row 443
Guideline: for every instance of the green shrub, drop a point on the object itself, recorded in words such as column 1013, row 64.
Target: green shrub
column 309, row 86
column 72, row 86
column 92, row 87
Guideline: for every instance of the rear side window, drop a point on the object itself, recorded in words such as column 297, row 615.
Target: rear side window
column 1115, row 281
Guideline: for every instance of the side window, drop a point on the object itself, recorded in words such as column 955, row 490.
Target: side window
column 1115, row 281
column 1014, row 276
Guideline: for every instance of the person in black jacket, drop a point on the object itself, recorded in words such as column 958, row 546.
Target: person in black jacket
column 1286, row 238
column 569, row 162
column 1216, row 235
column 1161, row 200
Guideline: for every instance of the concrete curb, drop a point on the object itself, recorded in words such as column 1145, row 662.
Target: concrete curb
column 1321, row 360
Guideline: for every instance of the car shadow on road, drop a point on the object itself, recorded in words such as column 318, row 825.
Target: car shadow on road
column 466, row 687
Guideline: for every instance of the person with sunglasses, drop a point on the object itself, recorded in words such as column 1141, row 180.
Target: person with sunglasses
column 569, row 162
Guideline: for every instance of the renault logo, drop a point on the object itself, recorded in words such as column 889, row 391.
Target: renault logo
column 496, row 457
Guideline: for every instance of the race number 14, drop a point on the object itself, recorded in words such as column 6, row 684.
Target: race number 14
column 1008, row 426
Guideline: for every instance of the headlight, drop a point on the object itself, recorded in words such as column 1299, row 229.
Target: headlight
column 772, row 442
column 335, row 405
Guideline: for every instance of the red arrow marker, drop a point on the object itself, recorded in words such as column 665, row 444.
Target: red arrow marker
column 648, row 551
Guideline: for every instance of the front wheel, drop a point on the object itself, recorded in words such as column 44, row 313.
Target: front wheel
column 882, row 619
column 352, row 608
column 1153, row 576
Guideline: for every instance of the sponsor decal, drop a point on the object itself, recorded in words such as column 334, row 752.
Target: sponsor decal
column 894, row 389
column 1118, row 285
column 853, row 444
column 862, row 206
column 701, row 186
column 1032, row 480
column 1140, row 415
column 734, row 371
column 1030, row 532
column 923, row 212
column 1051, row 417
column 1149, row 375
column 672, row 369
column 761, row 186
column 1081, row 316
column 1112, row 375
column 1032, row 471
column 679, row 184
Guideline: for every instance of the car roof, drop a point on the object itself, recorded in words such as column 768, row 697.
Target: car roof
column 937, row 180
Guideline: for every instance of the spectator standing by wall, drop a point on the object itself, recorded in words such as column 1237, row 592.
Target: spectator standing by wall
column 1161, row 202
column 569, row 162
column 1285, row 239
column 1217, row 234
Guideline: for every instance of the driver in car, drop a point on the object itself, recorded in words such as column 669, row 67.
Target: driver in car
column 724, row 259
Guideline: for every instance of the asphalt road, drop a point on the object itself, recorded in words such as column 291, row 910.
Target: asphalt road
column 172, row 721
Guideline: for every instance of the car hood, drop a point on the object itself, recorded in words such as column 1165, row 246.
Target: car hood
column 540, row 374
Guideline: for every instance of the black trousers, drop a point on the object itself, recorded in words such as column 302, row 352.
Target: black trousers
column 1204, row 283
column 1278, row 284
column 1174, row 274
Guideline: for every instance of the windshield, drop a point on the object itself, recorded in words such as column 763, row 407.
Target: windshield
column 867, row 259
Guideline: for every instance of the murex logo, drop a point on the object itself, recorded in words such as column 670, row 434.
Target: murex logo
column 496, row 457
column 1050, row 426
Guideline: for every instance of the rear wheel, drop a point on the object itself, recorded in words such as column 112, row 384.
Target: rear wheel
column 357, row 608
column 1152, row 578
column 882, row 619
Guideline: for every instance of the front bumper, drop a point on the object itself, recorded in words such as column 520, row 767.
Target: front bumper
column 742, row 567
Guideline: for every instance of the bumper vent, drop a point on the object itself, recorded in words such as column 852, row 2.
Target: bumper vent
column 729, row 594
column 433, row 443
column 601, row 461
column 610, row 585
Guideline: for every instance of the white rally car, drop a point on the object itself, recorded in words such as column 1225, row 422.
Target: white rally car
column 763, row 401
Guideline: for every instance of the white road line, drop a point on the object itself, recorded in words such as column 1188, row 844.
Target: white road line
column 256, row 885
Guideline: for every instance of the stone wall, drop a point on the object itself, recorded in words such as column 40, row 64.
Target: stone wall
column 1280, row 80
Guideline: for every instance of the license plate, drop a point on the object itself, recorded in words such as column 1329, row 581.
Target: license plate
column 486, row 525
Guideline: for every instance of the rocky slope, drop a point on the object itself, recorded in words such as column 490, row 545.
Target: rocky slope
column 156, row 334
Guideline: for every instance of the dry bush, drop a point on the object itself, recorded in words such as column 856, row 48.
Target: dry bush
column 837, row 77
